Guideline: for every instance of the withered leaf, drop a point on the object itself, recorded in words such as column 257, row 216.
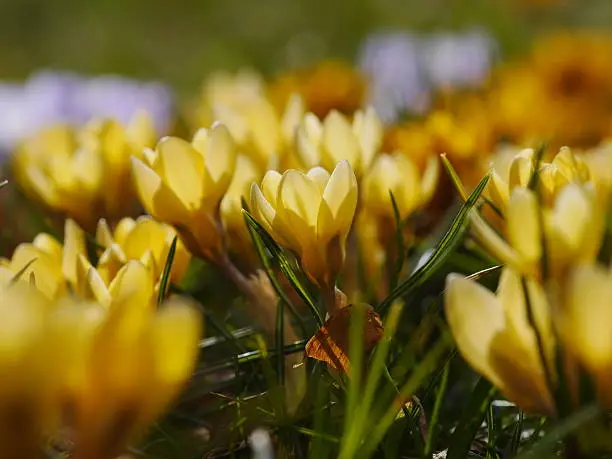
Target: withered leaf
column 331, row 342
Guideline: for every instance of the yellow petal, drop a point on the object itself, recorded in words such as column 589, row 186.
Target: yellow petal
column 104, row 235
column 429, row 181
column 300, row 195
column 369, row 132
column 498, row 191
column 123, row 229
column 140, row 129
column 182, row 169
column 523, row 224
column 340, row 199
column 307, row 146
column 74, row 244
column 270, row 185
column 572, row 215
column 469, row 307
column 586, row 316
column 521, row 170
column 220, row 160
column 157, row 198
column 133, row 286
column 49, row 245
column 404, row 181
column 177, row 329
column 98, row 288
column 261, row 208
column 298, row 205
column 319, row 176
column 292, row 116
column 265, row 127
column 147, row 234
column 339, row 141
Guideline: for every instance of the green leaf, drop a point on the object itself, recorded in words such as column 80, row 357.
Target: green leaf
column 262, row 253
column 562, row 430
column 435, row 415
column 399, row 244
column 280, row 341
column 427, row 366
column 462, row 438
column 164, row 283
column 358, row 421
column 516, row 433
column 284, row 264
column 443, row 250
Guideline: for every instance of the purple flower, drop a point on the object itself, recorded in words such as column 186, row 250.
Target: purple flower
column 404, row 69
column 50, row 97
column 393, row 65
column 458, row 60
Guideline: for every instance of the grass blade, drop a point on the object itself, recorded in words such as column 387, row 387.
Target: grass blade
column 280, row 341
column 424, row 369
column 443, row 250
column 262, row 253
column 399, row 244
column 565, row 428
column 354, row 430
column 462, row 438
column 164, row 283
column 435, row 415
column 284, row 264
column 20, row 273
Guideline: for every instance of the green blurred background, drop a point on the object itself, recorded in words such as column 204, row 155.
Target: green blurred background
column 181, row 41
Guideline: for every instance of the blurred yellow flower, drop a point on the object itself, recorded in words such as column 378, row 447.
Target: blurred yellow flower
column 506, row 349
column 259, row 131
column 182, row 184
column 28, row 407
column 239, row 239
column 336, row 138
column 143, row 239
column 84, row 174
column 518, row 168
column 327, row 86
column 311, row 214
column 568, row 77
column 570, row 230
column 567, row 224
column 584, row 321
column 494, row 334
column 397, row 174
column 46, row 263
column 123, row 362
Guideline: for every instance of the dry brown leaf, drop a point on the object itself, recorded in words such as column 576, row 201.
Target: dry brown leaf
column 331, row 342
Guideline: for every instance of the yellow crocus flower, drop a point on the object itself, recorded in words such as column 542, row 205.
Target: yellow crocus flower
column 182, row 184
column 28, row 408
column 494, row 335
column 125, row 361
column 143, row 239
column 239, row 239
column 336, row 138
column 259, row 131
column 564, row 168
column 310, row 214
column 396, row 173
column 584, row 319
column 571, row 230
column 83, row 174
column 45, row 262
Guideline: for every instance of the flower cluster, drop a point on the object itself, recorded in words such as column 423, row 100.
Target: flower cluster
column 300, row 182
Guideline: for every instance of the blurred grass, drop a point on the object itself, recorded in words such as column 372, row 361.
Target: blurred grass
column 179, row 42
